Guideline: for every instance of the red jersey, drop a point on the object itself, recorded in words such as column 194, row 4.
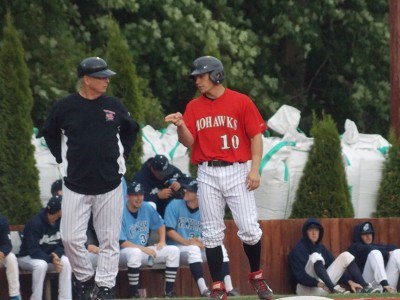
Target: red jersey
column 222, row 128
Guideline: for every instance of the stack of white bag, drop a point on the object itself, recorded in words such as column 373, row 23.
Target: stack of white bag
column 154, row 142
column 284, row 160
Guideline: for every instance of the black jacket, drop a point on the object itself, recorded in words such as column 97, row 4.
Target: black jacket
column 299, row 256
column 91, row 139
column 361, row 250
column 40, row 238
column 5, row 240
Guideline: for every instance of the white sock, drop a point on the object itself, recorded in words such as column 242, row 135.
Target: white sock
column 201, row 283
column 228, row 283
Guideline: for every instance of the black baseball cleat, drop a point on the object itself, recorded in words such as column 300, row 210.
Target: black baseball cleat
column 82, row 290
column 102, row 292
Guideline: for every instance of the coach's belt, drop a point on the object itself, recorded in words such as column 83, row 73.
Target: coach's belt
column 219, row 163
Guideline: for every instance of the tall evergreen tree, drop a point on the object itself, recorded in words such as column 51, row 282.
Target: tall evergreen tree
column 389, row 190
column 125, row 86
column 19, row 188
column 323, row 190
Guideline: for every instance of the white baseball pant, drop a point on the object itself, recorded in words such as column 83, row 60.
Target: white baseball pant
column 11, row 264
column 375, row 271
column 39, row 268
column 107, row 216
column 219, row 186
column 134, row 257
column 193, row 254
column 335, row 271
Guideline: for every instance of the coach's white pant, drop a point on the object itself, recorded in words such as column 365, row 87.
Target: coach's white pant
column 134, row 257
column 335, row 271
column 375, row 271
column 107, row 214
column 12, row 273
column 193, row 254
column 39, row 268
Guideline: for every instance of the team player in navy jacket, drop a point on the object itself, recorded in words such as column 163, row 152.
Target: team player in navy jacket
column 161, row 181
column 8, row 260
column 379, row 263
column 42, row 249
column 315, row 269
column 91, row 134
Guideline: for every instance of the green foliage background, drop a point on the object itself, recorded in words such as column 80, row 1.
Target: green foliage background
column 19, row 179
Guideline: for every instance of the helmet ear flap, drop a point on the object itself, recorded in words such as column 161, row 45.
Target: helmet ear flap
column 217, row 76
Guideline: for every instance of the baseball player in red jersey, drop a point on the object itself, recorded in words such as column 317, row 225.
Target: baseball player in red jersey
column 224, row 129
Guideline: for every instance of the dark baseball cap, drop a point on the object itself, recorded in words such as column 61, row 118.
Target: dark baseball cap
column 135, row 188
column 56, row 186
column 367, row 228
column 54, row 204
column 161, row 165
column 314, row 225
column 94, row 67
column 190, row 186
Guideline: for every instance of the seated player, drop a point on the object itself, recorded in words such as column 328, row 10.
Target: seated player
column 138, row 219
column 42, row 250
column 182, row 219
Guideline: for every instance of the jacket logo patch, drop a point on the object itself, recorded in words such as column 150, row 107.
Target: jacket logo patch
column 109, row 115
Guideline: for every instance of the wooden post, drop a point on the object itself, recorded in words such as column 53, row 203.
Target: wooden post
column 395, row 65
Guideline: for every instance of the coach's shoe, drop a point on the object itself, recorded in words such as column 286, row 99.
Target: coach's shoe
column 218, row 291
column 389, row 289
column 82, row 290
column 102, row 292
column 259, row 284
column 233, row 293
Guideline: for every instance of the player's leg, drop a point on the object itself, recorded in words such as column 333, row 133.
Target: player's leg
column 107, row 215
column 192, row 255
column 392, row 269
column 38, row 267
column 74, row 222
column 12, row 273
column 169, row 255
column 132, row 258
column 226, row 274
column 212, row 211
column 374, row 270
column 242, row 203
column 64, row 280
column 310, row 270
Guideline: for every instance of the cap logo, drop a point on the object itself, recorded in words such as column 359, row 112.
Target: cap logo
column 165, row 166
column 138, row 187
column 366, row 227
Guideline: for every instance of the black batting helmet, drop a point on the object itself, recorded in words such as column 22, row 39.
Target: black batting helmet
column 208, row 64
column 94, row 67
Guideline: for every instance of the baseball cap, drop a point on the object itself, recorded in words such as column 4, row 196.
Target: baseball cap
column 313, row 225
column 135, row 188
column 367, row 228
column 56, row 186
column 54, row 204
column 190, row 186
column 161, row 165
column 94, row 67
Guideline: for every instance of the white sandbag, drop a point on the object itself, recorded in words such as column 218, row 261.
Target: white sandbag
column 48, row 169
column 286, row 118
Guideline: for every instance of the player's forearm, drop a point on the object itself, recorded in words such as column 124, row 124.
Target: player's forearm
column 184, row 135
column 176, row 237
column 256, row 151
column 161, row 234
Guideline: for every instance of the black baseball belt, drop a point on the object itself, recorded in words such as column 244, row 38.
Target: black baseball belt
column 220, row 163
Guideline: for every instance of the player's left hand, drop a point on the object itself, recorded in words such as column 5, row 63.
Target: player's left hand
column 253, row 180
column 57, row 262
column 2, row 256
column 160, row 245
column 175, row 186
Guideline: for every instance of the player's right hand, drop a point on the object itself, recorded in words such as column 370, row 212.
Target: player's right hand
column 175, row 119
column 150, row 252
column 57, row 262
